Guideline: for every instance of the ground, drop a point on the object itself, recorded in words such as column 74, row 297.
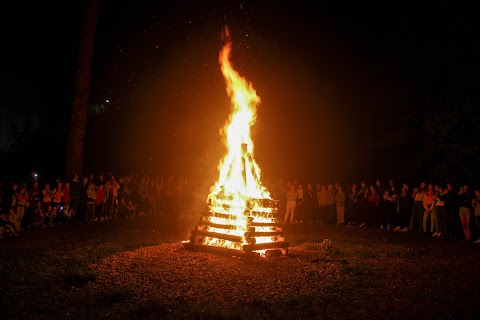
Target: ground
column 138, row 269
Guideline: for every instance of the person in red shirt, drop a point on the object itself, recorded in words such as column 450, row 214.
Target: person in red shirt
column 373, row 199
column 34, row 194
column 66, row 194
column 100, row 203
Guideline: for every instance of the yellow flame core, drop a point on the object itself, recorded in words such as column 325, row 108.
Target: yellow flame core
column 238, row 190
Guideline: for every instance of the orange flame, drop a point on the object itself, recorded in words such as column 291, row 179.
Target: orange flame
column 238, row 189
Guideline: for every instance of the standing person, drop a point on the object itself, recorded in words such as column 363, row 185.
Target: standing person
column 291, row 196
column 100, row 203
column 416, row 216
column 394, row 194
column 91, row 196
column 352, row 205
column 379, row 188
column 373, row 201
column 310, row 200
column 452, row 205
column 465, row 211
column 405, row 208
column 322, row 196
column 429, row 207
column 476, row 212
column 299, row 209
column 46, row 196
column 113, row 194
column 34, row 194
column 340, row 198
column 107, row 208
column 75, row 193
column 362, row 204
column 440, row 208
column 22, row 199
column 390, row 209
column 67, row 197
column 83, row 198
column 330, row 210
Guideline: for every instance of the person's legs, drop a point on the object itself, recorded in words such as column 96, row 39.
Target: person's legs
column 465, row 220
column 426, row 215
column 477, row 223
column 340, row 214
column 289, row 211
column 433, row 221
column 414, row 216
column 442, row 220
column 20, row 213
column 467, row 228
column 421, row 212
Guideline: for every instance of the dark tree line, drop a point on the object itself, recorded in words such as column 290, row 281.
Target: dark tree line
column 453, row 139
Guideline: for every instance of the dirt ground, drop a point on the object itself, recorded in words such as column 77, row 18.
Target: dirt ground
column 138, row 269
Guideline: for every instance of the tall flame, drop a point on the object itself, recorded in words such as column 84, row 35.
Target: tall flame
column 239, row 173
column 238, row 187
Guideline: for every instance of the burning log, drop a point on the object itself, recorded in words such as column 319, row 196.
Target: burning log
column 265, row 224
column 263, row 234
column 273, row 253
column 205, row 224
column 219, row 215
column 205, row 233
column 264, row 246
column 221, row 250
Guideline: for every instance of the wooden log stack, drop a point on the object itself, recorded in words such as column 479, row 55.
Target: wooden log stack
column 258, row 234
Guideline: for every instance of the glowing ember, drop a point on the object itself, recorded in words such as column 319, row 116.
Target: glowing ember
column 241, row 213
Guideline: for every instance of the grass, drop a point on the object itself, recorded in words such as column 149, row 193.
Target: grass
column 365, row 276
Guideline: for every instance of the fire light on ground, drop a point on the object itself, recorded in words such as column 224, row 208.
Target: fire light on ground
column 240, row 213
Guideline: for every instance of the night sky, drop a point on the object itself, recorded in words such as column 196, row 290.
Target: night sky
column 343, row 87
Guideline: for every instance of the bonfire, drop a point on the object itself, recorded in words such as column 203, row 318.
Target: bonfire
column 239, row 215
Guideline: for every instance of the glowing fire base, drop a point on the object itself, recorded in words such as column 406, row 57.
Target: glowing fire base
column 261, row 235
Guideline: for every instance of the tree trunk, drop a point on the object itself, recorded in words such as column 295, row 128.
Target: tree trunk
column 78, row 118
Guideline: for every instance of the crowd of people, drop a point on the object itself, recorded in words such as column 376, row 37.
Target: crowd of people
column 34, row 205
column 438, row 210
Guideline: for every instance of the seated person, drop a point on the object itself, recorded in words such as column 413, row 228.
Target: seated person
column 37, row 216
column 131, row 209
column 65, row 215
column 6, row 225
